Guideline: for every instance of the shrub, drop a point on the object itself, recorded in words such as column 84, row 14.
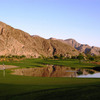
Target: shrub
column 79, row 72
column 80, row 57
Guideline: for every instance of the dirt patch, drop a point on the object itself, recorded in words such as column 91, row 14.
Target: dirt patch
column 7, row 67
column 98, row 63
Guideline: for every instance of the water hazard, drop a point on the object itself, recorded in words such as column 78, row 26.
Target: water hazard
column 56, row 71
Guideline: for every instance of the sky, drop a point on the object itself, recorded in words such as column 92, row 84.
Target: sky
column 61, row 19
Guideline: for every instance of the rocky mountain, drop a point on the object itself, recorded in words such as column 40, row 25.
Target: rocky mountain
column 83, row 47
column 17, row 42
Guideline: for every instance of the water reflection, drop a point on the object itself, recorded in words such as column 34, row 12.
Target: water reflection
column 95, row 75
column 53, row 71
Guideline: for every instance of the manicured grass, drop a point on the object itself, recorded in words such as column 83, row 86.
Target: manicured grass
column 69, row 63
column 25, row 63
column 42, row 63
column 13, row 87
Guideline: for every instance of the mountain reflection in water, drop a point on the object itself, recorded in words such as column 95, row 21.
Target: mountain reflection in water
column 53, row 71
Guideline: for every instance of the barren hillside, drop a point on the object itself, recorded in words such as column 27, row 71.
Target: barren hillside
column 17, row 42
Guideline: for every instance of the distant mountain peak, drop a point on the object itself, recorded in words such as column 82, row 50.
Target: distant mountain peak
column 83, row 47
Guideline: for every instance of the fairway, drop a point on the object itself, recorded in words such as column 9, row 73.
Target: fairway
column 14, row 87
column 38, row 88
column 29, row 63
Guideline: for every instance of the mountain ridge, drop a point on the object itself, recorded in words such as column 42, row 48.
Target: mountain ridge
column 82, row 48
column 17, row 42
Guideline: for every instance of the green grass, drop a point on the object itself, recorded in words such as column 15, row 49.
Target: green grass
column 69, row 63
column 42, row 63
column 13, row 87
column 25, row 63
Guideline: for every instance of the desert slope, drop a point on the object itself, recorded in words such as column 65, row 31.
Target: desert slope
column 17, row 42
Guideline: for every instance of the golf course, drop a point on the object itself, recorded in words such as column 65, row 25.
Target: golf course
column 49, row 49
column 16, row 87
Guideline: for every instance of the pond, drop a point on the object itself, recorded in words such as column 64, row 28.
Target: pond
column 95, row 75
column 56, row 71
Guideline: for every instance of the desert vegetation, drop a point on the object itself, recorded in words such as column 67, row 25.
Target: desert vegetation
column 12, row 58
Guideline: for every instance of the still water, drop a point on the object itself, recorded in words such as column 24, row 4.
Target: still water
column 57, row 71
column 95, row 75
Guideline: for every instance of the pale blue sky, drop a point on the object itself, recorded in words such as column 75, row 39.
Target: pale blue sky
column 78, row 19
